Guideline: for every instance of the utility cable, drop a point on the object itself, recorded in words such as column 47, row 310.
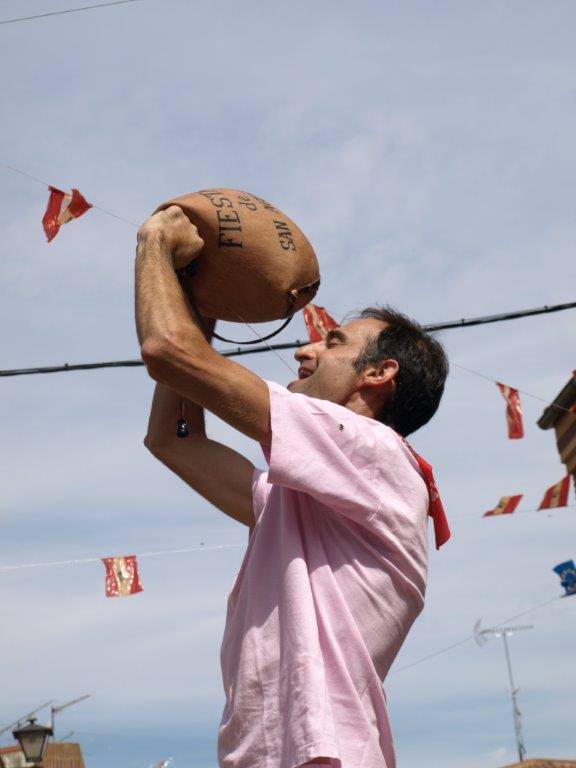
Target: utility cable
column 499, row 317
column 69, row 10
column 470, row 637
column 434, row 327
column 463, row 323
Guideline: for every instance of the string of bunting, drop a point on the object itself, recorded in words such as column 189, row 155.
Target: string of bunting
column 122, row 576
column 554, row 497
column 122, row 579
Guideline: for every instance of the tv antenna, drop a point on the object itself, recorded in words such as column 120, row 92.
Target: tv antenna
column 60, row 707
column 481, row 636
column 24, row 717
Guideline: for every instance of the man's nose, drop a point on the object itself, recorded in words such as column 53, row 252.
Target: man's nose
column 306, row 352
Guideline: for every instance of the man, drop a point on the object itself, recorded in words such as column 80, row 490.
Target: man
column 335, row 569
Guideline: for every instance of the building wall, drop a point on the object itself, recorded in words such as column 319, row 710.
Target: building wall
column 565, row 429
column 63, row 755
column 56, row 755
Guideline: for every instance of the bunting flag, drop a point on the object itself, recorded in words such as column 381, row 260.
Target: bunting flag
column 318, row 322
column 513, row 411
column 121, row 576
column 556, row 495
column 505, row 506
column 435, row 507
column 61, row 209
column 567, row 573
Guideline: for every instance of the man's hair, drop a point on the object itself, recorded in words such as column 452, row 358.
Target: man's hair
column 423, row 367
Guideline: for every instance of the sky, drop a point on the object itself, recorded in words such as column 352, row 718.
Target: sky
column 426, row 149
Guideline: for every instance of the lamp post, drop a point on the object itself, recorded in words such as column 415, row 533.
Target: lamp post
column 32, row 739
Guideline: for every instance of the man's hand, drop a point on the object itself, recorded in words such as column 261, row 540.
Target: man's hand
column 172, row 343
column 178, row 233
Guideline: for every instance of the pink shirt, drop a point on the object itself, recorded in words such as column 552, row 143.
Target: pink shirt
column 332, row 579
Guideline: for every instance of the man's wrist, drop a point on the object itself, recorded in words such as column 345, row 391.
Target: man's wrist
column 153, row 235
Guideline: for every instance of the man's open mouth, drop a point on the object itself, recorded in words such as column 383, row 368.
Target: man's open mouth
column 304, row 373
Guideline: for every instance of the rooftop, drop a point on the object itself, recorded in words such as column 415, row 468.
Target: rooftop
column 543, row 762
column 564, row 399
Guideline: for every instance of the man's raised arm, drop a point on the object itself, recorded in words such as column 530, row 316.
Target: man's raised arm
column 216, row 472
column 173, row 346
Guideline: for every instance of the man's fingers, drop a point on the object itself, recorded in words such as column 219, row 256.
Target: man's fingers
column 174, row 214
column 181, row 235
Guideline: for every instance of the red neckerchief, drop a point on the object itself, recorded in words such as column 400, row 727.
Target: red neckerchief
column 435, row 506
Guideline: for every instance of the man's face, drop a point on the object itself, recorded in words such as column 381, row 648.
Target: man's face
column 326, row 367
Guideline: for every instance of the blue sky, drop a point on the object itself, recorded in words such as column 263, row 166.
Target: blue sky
column 427, row 151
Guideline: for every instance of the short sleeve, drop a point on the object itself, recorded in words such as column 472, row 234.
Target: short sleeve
column 260, row 492
column 326, row 451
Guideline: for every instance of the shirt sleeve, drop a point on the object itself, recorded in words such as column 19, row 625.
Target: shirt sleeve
column 260, row 492
column 334, row 455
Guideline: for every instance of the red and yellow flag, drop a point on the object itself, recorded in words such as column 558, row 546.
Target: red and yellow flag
column 435, row 507
column 505, row 506
column 556, row 495
column 121, row 576
column 513, row 411
column 318, row 322
column 61, row 209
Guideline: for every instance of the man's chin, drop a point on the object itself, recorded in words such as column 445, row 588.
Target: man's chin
column 298, row 385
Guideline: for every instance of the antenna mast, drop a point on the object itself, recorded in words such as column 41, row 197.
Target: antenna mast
column 60, row 707
column 481, row 637
column 25, row 717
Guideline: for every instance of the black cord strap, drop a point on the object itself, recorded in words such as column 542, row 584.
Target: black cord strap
column 259, row 339
column 189, row 271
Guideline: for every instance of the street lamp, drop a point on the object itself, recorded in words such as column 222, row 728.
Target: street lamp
column 33, row 739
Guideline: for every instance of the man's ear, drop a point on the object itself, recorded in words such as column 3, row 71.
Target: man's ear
column 382, row 372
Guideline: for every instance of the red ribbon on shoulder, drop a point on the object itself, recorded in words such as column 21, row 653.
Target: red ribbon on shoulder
column 435, row 506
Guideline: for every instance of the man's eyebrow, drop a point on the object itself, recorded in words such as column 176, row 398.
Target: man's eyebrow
column 335, row 334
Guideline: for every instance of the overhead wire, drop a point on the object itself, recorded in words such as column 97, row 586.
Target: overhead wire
column 202, row 547
column 274, row 348
column 464, row 640
column 451, row 325
column 68, row 10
